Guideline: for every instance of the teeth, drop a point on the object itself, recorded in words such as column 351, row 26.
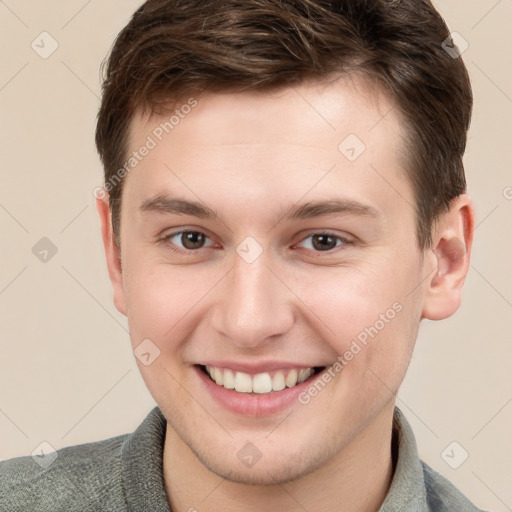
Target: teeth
column 260, row 383
column 243, row 382
column 278, row 382
column 291, row 379
column 304, row 375
column 229, row 379
column 218, row 376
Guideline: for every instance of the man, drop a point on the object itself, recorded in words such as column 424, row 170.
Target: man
column 284, row 203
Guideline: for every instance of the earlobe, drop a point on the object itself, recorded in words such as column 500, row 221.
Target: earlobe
column 451, row 249
column 112, row 253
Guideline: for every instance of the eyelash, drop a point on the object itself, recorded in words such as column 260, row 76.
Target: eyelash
column 167, row 241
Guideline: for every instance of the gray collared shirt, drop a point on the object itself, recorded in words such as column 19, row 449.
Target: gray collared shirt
column 124, row 474
column 416, row 487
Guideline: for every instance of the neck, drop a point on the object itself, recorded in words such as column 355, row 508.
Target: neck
column 356, row 479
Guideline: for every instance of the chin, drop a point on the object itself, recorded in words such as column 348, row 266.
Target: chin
column 271, row 469
column 264, row 475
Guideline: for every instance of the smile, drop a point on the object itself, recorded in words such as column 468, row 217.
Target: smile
column 260, row 383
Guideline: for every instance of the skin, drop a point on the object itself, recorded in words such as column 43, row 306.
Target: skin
column 251, row 157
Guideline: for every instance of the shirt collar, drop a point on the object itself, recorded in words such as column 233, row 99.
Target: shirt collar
column 142, row 459
column 407, row 491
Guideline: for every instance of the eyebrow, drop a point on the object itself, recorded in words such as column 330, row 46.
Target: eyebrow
column 165, row 204
column 335, row 206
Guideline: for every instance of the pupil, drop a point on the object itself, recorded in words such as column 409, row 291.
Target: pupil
column 192, row 240
column 323, row 242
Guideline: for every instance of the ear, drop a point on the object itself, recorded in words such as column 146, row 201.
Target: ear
column 112, row 252
column 449, row 255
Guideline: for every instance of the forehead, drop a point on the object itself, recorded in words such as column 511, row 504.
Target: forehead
column 313, row 109
column 263, row 142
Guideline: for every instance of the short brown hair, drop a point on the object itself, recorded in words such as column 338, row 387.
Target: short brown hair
column 171, row 49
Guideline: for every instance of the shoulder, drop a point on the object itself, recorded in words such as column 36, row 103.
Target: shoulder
column 86, row 477
column 442, row 495
column 415, row 485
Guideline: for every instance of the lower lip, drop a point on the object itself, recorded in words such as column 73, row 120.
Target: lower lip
column 253, row 404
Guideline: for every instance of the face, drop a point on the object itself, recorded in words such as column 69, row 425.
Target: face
column 265, row 237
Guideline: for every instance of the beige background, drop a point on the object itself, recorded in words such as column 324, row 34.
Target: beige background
column 67, row 374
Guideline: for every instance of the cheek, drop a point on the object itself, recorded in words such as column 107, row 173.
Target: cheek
column 367, row 315
column 164, row 300
column 156, row 298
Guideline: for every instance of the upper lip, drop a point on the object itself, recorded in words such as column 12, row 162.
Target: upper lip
column 254, row 368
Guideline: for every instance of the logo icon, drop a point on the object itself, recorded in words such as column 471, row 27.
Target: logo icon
column 455, row 45
column 352, row 147
column 44, row 45
column 249, row 455
column 249, row 249
column 45, row 455
column 44, row 250
column 454, row 455
column 146, row 352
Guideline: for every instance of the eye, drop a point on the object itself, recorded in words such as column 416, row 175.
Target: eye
column 323, row 242
column 187, row 240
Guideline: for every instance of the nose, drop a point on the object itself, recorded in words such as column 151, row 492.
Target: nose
column 253, row 306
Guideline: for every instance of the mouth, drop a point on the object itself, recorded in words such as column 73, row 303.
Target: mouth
column 265, row 383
